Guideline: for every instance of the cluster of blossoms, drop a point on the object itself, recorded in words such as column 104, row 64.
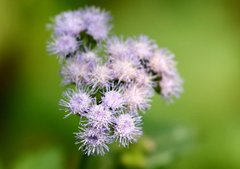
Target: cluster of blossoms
column 109, row 80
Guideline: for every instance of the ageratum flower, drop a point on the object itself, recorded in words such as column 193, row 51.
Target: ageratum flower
column 75, row 72
column 171, row 86
column 113, row 100
column 99, row 116
column 144, row 80
column 114, row 78
column 89, row 57
column 93, row 141
column 163, row 62
column 100, row 76
column 164, row 65
column 124, row 69
column 138, row 98
column 69, row 23
column 126, row 129
column 76, row 101
column 97, row 22
column 117, row 48
column 63, row 45
column 143, row 47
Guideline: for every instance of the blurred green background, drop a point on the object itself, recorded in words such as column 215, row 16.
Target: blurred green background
column 201, row 130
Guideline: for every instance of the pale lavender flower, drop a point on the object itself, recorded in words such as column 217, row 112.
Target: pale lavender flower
column 171, row 86
column 100, row 76
column 63, row 45
column 89, row 57
column 93, row 141
column 124, row 69
column 114, row 78
column 127, row 129
column 144, row 79
column 99, row 116
column 76, row 101
column 138, row 98
column 163, row 62
column 97, row 22
column 75, row 72
column 117, row 48
column 98, row 31
column 143, row 47
column 69, row 23
column 113, row 99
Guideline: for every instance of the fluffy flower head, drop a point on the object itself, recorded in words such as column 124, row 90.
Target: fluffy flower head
column 93, row 141
column 75, row 72
column 138, row 98
column 100, row 76
column 163, row 62
column 99, row 116
column 143, row 47
column 97, row 22
column 171, row 86
column 63, row 45
column 70, row 23
column 118, row 49
column 76, row 101
column 113, row 100
column 127, row 129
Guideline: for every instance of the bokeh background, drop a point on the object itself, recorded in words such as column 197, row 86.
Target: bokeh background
column 201, row 130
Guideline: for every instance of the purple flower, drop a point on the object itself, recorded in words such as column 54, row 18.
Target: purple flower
column 76, row 101
column 69, row 23
column 99, row 116
column 119, row 49
column 163, row 62
column 171, row 86
column 144, row 80
column 138, row 98
column 124, row 70
column 143, row 47
column 93, row 141
column 113, row 99
column 89, row 57
column 100, row 76
column 63, row 45
column 97, row 22
column 114, row 78
column 127, row 129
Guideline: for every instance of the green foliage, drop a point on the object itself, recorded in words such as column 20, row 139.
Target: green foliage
column 44, row 159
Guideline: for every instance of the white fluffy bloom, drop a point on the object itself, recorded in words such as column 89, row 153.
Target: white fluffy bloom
column 70, row 23
column 100, row 76
column 89, row 57
column 127, row 129
column 123, row 70
column 171, row 86
column 118, row 49
column 113, row 99
column 63, row 45
column 163, row 62
column 75, row 72
column 97, row 22
column 143, row 47
column 138, row 98
column 144, row 79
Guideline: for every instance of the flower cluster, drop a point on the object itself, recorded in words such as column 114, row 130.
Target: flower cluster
column 109, row 80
